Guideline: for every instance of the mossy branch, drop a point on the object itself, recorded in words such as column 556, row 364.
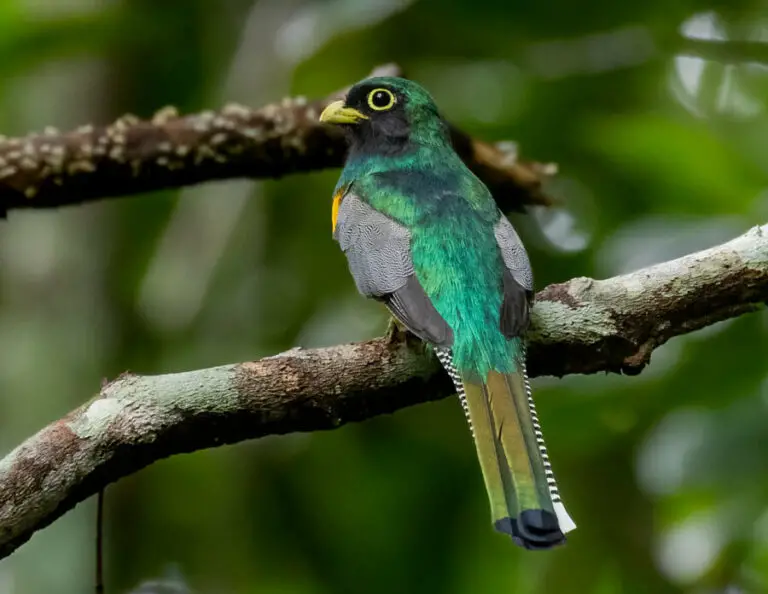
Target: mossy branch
column 581, row 326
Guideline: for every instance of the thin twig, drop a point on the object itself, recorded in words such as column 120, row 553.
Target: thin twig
column 725, row 51
column 100, row 542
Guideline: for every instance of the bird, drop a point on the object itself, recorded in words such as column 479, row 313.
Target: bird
column 423, row 235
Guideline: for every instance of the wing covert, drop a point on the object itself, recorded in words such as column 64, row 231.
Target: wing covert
column 517, row 280
column 378, row 251
column 514, row 254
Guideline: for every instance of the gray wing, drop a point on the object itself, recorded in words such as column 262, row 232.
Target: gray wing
column 517, row 280
column 378, row 252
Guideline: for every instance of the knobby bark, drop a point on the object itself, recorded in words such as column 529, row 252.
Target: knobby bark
column 581, row 326
column 131, row 155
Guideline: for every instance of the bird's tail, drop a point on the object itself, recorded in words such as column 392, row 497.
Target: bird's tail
column 521, row 488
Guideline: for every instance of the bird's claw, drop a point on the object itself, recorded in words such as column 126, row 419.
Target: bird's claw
column 396, row 332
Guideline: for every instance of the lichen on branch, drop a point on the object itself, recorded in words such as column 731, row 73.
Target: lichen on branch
column 580, row 326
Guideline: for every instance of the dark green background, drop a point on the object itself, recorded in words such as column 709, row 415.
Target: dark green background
column 659, row 154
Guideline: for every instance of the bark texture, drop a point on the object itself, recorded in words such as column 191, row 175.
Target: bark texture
column 169, row 150
column 581, row 326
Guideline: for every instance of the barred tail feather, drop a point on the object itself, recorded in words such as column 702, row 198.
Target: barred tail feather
column 518, row 477
column 566, row 522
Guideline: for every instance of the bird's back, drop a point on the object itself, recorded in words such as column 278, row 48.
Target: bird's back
column 456, row 257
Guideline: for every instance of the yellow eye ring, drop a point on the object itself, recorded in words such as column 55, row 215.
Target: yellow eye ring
column 381, row 99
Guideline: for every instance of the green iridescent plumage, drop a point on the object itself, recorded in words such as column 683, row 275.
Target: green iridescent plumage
column 424, row 235
column 446, row 268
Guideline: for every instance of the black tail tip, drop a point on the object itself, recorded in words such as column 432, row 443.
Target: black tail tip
column 535, row 529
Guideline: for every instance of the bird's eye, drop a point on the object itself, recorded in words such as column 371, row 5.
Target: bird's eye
column 381, row 99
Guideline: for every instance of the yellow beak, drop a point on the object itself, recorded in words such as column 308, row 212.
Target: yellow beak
column 338, row 113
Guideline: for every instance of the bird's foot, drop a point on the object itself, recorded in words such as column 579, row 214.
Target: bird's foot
column 396, row 332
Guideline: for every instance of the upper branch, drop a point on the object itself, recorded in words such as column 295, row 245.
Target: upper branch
column 131, row 156
column 721, row 50
column 582, row 326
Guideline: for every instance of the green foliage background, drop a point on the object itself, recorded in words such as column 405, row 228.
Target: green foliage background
column 661, row 153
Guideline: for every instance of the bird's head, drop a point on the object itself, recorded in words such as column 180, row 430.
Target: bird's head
column 387, row 115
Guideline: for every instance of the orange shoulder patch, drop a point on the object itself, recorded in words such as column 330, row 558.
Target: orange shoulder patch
column 337, row 198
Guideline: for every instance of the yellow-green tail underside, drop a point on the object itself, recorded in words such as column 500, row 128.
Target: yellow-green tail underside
column 518, row 477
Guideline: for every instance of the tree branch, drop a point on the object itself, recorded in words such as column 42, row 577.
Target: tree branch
column 720, row 50
column 131, row 156
column 581, row 326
